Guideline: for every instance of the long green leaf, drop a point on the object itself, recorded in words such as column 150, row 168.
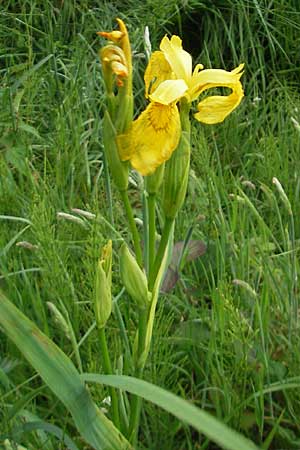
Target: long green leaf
column 182, row 409
column 59, row 373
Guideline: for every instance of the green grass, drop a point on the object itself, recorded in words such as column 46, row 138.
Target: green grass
column 227, row 337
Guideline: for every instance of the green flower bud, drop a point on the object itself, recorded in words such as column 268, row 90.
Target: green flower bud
column 177, row 169
column 102, row 298
column 134, row 279
column 154, row 181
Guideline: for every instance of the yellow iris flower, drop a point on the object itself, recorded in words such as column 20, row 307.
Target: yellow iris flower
column 155, row 134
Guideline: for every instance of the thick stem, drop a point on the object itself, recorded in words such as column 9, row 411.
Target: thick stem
column 137, row 401
column 151, row 223
column 161, row 251
column 108, row 369
column 133, row 228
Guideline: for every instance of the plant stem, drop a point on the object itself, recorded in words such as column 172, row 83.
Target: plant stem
column 161, row 251
column 108, row 189
column 151, row 223
column 133, row 228
column 145, row 232
column 137, row 401
column 108, row 369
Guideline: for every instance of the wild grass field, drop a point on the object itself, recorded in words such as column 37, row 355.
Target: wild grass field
column 227, row 335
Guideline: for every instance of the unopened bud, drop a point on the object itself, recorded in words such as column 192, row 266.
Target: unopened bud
column 102, row 297
column 177, row 168
column 113, row 63
column 134, row 279
column 114, row 36
column 154, row 181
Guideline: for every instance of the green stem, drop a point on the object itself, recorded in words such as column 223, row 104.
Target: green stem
column 145, row 231
column 137, row 401
column 108, row 189
column 161, row 251
column 133, row 228
column 108, row 370
column 151, row 222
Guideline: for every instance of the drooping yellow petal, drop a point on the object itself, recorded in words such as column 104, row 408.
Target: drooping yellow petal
column 179, row 60
column 209, row 78
column 152, row 138
column 216, row 108
column 169, row 91
column 157, row 71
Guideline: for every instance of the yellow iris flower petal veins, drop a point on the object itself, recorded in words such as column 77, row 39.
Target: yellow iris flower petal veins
column 157, row 71
column 152, row 138
column 216, row 108
column 169, row 91
column 179, row 60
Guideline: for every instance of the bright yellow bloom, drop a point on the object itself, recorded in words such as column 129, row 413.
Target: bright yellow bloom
column 153, row 137
column 211, row 110
column 155, row 134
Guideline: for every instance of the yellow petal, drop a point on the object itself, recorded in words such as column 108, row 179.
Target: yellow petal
column 210, row 78
column 216, row 108
column 169, row 91
column 152, row 138
column 158, row 70
column 179, row 59
column 239, row 69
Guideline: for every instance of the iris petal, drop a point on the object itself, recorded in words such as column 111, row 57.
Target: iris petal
column 179, row 59
column 157, row 71
column 169, row 91
column 152, row 138
column 216, row 108
column 210, row 78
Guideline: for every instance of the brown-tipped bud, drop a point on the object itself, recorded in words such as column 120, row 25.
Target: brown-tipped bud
column 120, row 38
column 102, row 297
column 134, row 279
column 114, row 36
column 113, row 63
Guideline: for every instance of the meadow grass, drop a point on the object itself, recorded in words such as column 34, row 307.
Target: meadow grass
column 227, row 336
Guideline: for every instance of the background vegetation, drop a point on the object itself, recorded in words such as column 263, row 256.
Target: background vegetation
column 227, row 336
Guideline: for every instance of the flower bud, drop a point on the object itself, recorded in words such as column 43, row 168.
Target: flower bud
column 121, row 40
column 102, row 297
column 177, row 169
column 154, row 181
column 134, row 279
column 113, row 63
column 114, row 36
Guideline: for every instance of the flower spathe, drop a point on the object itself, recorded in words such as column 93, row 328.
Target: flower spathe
column 169, row 76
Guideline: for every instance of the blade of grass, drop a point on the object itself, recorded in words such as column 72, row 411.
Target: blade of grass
column 180, row 408
column 61, row 376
